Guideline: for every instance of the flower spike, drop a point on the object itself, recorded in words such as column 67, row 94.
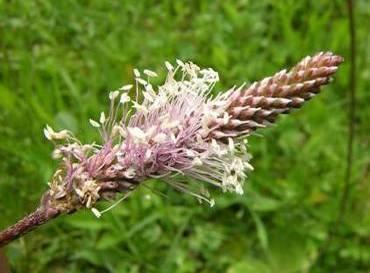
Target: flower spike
column 177, row 133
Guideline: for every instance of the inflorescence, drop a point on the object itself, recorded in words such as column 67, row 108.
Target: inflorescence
column 177, row 132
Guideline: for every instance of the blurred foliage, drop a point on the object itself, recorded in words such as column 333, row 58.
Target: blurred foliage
column 58, row 59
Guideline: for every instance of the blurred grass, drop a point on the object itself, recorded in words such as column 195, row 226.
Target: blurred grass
column 58, row 59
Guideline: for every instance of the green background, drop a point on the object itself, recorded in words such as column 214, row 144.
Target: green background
column 59, row 59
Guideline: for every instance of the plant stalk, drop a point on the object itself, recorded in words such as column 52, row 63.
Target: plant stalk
column 30, row 222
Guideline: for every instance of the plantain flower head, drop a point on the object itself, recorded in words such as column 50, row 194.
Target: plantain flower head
column 178, row 132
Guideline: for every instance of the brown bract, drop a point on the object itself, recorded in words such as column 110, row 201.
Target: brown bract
column 260, row 104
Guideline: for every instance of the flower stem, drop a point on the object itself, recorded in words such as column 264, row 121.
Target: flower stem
column 33, row 220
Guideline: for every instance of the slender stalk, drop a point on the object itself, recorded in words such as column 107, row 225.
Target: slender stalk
column 351, row 111
column 31, row 221
column 343, row 202
column 52, row 207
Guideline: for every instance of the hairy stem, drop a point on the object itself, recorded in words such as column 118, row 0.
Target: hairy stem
column 51, row 207
column 33, row 220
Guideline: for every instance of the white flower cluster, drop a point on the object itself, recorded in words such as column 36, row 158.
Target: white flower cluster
column 167, row 133
column 223, row 165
